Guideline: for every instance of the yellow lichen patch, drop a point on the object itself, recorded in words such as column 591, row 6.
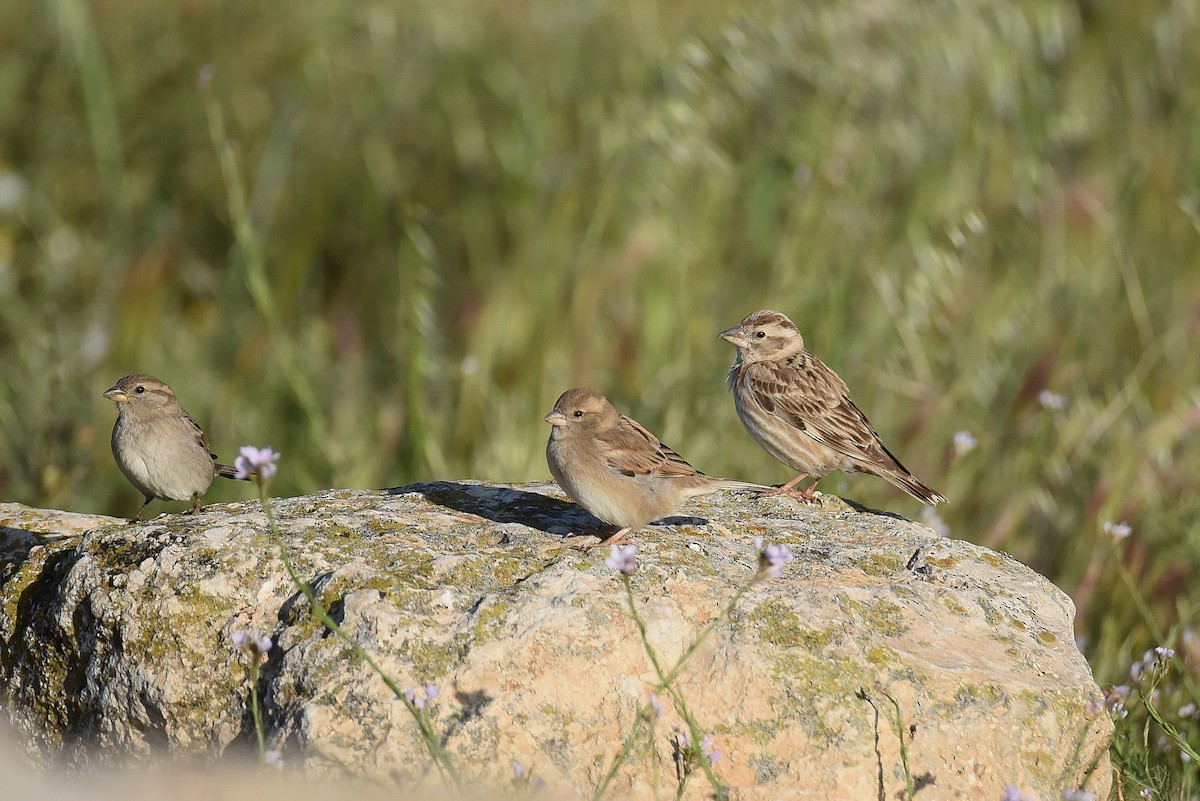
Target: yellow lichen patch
column 882, row 564
column 952, row 603
column 991, row 559
column 778, row 624
column 980, row 695
column 880, row 655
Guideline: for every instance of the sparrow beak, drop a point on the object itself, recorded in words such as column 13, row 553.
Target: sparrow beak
column 116, row 395
column 735, row 336
column 556, row 418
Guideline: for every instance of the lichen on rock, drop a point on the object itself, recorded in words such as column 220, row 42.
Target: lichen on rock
column 115, row 643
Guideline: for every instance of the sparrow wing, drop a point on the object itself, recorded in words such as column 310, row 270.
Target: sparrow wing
column 806, row 394
column 201, row 440
column 631, row 450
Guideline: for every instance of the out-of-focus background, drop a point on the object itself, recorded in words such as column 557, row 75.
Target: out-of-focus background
column 382, row 237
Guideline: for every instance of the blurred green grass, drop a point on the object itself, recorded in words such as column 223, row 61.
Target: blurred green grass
column 459, row 209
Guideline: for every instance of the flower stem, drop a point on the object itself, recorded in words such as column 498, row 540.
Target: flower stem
column 1172, row 732
column 666, row 682
column 622, row 755
column 909, row 786
column 441, row 758
column 255, row 709
column 1148, row 617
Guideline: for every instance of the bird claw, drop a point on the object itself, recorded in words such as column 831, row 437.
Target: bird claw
column 802, row 495
column 586, row 546
column 607, row 536
column 589, row 532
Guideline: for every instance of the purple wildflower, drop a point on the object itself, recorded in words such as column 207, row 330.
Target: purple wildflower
column 254, row 461
column 1115, row 701
column 709, row 747
column 623, row 559
column 772, row 558
column 411, row 696
column 1053, row 402
column 428, row 693
column 1119, row 531
column 656, row 706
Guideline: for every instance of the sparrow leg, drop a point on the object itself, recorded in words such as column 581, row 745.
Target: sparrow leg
column 138, row 517
column 611, row 539
column 196, row 507
column 805, row 495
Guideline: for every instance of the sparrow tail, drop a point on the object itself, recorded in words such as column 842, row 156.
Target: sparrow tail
column 734, row 484
column 229, row 471
column 916, row 488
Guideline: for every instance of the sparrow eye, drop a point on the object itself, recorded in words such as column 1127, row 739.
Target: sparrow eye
column 579, row 412
column 140, row 390
column 760, row 334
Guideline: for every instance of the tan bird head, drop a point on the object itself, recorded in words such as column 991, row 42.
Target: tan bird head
column 581, row 410
column 139, row 391
column 764, row 335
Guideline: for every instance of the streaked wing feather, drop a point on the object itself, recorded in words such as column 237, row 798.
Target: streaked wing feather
column 633, row 451
column 811, row 397
column 201, row 440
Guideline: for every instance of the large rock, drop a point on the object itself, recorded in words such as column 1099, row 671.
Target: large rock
column 115, row 643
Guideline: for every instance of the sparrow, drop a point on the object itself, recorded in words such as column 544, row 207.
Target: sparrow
column 800, row 411
column 613, row 467
column 158, row 446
